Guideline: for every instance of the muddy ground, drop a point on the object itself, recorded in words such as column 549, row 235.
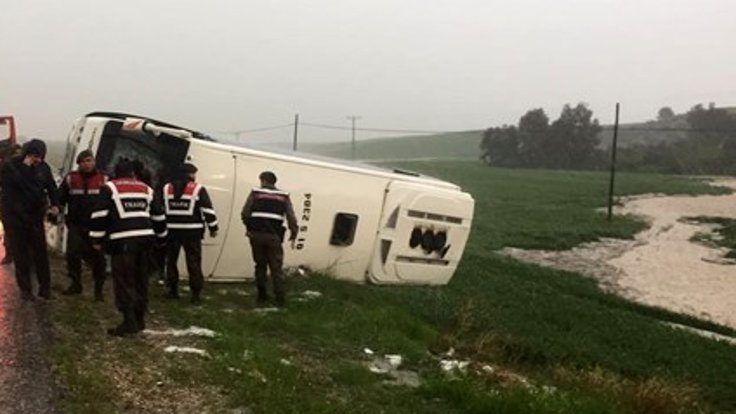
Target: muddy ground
column 662, row 266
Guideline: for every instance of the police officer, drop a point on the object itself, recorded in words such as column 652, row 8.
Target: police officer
column 188, row 210
column 263, row 214
column 28, row 188
column 79, row 192
column 126, row 219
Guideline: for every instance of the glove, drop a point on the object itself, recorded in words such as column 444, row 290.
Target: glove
column 213, row 233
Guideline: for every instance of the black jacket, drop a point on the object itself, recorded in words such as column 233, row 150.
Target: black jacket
column 79, row 192
column 126, row 215
column 188, row 213
column 265, row 211
column 27, row 191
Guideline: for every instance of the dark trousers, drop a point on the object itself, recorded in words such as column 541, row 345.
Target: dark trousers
column 6, row 240
column 28, row 244
column 78, row 248
column 193, row 258
column 130, row 278
column 268, row 255
column 157, row 262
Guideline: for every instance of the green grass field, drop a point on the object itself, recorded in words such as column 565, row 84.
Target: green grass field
column 463, row 145
column 551, row 341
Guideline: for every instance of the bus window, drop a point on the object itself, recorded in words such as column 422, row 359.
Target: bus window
column 161, row 155
column 343, row 230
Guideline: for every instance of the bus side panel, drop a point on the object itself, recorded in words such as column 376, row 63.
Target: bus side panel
column 216, row 169
column 318, row 194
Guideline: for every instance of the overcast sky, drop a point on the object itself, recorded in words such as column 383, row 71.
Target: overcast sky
column 223, row 65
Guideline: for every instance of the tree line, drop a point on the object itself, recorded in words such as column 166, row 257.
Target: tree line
column 701, row 141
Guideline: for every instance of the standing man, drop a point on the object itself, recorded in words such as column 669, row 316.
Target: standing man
column 126, row 220
column 263, row 214
column 8, row 154
column 188, row 209
column 28, row 189
column 79, row 192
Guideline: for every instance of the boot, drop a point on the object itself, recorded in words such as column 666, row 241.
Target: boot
column 129, row 326
column 140, row 319
column 280, row 300
column 99, row 297
column 45, row 294
column 173, row 294
column 262, row 299
column 74, row 289
column 196, row 298
column 27, row 296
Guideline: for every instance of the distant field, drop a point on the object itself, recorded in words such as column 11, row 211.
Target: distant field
column 466, row 145
column 455, row 145
column 539, row 340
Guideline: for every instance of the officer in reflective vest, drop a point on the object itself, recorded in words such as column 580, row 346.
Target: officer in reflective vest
column 263, row 214
column 188, row 210
column 79, row 192
column 127, row 221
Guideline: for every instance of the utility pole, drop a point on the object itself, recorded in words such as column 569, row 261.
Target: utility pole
column 613, row 166
column 296, row 129
column 353, row 118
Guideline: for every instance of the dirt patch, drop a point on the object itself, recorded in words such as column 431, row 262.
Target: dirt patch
column 661, row 266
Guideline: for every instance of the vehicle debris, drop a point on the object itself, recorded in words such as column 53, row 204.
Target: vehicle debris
column 186, row 350
column 190, row 331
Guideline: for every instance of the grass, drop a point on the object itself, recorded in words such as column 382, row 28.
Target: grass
column 725, row 231
column 451, row 145
column 465, row 145
column 552, row 341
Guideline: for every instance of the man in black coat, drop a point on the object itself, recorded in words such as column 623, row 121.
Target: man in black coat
column 28, row 191
column 8, row 153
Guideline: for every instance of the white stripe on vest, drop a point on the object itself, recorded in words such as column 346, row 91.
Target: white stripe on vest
column 118, row 199
column 271, row 216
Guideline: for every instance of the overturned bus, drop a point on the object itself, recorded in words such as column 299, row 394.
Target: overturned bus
column 357, row 222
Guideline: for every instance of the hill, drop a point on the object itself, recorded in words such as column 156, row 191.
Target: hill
column 465, row 144
column 452, row 145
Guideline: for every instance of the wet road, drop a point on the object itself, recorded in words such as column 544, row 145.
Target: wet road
column 26, row 381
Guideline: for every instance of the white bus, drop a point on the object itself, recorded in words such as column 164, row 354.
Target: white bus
column 357, row 222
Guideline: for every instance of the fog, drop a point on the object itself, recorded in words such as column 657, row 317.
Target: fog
column 224, row 65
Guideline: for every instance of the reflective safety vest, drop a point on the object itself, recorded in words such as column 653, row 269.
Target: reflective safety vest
column 268, row 212
column 187, row 214
column 79, row 192
column 126, row 212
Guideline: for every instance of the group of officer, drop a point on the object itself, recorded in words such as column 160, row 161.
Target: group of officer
column 125, row 218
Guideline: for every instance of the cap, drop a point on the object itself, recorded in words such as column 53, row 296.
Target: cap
column 188, row 168
column 35, row 147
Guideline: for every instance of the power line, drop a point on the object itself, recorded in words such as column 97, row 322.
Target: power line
column 669, row 129
column 250, row 131
column 412, row 131
column 428, row 131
